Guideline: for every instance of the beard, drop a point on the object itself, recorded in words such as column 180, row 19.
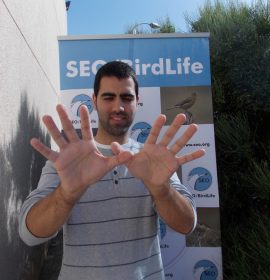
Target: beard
column 116, row 129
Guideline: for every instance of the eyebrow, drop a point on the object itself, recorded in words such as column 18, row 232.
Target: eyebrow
column 104, row 94
column 111, row 94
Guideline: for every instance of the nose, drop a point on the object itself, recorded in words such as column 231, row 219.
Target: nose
column 118, row 105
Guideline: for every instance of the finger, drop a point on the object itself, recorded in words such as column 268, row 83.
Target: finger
column 191, row 156
column 85, row 123
column 54, row 132
column 44, row 150
column 181, row 142
column 68, row 128
column 173, row 128
column 155, row 130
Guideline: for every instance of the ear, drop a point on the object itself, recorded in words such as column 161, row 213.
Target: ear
column 137, row 99
column 94, row 98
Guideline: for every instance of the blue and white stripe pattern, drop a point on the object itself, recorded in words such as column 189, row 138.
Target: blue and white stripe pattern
column 112, row 232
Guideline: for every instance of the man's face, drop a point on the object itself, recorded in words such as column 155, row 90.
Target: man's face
column 116, row 104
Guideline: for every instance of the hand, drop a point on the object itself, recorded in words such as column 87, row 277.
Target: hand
column 78, row 163
column 156, row 162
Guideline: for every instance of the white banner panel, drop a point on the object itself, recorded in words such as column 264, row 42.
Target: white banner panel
column 174, row 76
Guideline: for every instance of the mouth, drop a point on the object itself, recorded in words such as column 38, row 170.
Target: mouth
column 118, row 118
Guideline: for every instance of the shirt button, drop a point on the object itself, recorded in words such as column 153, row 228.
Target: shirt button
column 116, row 182
column 114, row 172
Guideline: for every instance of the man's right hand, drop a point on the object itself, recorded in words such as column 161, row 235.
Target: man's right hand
column 78, row 161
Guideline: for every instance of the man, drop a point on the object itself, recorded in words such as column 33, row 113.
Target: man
column 109, row 191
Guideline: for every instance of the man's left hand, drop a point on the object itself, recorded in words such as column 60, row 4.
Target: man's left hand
column 157, row 161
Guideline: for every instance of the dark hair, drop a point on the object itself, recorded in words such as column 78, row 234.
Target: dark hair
column 118, row 69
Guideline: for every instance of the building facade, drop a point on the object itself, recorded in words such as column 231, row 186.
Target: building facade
column 29, row 87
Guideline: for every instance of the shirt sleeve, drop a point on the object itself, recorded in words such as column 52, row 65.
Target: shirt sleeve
column 49, row 180
column 175, row 182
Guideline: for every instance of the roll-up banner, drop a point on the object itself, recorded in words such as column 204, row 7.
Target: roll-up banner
column 174, row 77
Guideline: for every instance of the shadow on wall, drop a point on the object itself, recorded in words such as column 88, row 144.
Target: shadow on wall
column 20, row 168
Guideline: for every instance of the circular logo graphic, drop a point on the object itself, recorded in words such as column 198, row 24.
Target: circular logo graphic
column 199, row 178
column 162, row 229
column 78, row 101
column 140, row 131
column 205, row 270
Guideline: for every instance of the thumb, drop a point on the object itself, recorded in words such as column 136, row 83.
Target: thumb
column 120, row 155
column 124, row 157
column 116, row 148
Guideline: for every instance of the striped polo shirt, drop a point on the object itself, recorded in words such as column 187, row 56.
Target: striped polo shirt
column 113, row 230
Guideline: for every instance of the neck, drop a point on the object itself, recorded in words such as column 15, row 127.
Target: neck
column 107, row 139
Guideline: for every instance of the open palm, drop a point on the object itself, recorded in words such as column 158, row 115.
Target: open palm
column 78, row 162
column 156, row 162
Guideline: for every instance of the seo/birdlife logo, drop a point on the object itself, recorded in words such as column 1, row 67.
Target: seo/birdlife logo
column 140, row 131
column 205, row 270
column 162, row 229
column 78, row 101
column 199, row 179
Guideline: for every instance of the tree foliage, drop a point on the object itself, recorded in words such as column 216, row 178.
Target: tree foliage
column 166, row 26
column 240, row 55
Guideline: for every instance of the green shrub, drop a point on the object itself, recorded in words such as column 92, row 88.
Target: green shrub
column 240, row 56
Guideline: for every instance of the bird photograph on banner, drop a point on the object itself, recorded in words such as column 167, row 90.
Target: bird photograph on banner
column 184, row 106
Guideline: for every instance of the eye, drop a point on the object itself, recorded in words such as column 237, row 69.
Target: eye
column 108, row 98
column 127, row 98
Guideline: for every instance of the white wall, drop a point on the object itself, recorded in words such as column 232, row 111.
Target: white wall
column 29, row 70
column 29, row 55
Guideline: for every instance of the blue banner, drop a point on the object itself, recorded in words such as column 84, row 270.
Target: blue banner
column 156, row 61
